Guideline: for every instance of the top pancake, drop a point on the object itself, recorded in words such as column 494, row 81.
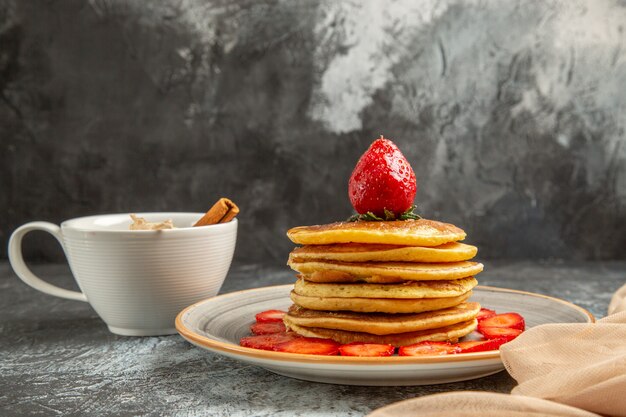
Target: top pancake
column 420, row 232
column 363, row 252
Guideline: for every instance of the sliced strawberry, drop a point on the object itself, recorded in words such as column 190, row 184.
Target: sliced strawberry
column 382, row 181
column 268, row 328
column 428, row 348
column 480, row 345
column 510, row 320
column 499, row 332
column 267, row 342
column 366, row 349
column 485, row 313
column 309, row 346
column 270, row 316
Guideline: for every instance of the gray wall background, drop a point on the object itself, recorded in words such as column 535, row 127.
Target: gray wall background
column 512, row 113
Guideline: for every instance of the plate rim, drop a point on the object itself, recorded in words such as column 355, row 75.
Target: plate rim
column 233, row 349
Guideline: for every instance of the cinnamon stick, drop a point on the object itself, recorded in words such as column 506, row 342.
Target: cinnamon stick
column 223, row 211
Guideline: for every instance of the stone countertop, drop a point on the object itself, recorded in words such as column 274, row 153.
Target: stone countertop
column 59, row 358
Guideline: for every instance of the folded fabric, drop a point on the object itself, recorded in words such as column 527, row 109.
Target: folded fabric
column 618, row 303
column 568, row 369
column 582, row 365
column 484, row 404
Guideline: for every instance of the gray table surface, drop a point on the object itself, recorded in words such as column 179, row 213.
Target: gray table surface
column 57, row 357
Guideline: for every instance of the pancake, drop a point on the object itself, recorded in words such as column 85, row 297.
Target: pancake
column 338, row 276
column 362, row 252
column 404, row 232
column 378, row 323
column 377, row 305
column 407, row 289
column 405, row 270
column 448, row 333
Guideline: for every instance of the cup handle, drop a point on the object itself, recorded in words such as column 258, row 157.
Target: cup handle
column 21, row 270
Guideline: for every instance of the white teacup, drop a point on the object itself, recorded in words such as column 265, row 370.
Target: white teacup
column 136, row 280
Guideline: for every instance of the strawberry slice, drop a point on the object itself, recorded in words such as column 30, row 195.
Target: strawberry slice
column 499, row 332
column 270, row 316
column 510, row 320
column 268, row 328
column 480, row 345
column 485, row 313
column 366, row 349
column 383, row 182
column 428, row 348
column 267, row 342
column 309, row 346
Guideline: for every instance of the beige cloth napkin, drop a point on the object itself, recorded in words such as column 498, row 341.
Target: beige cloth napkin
column 618, row 303
column 568, row 370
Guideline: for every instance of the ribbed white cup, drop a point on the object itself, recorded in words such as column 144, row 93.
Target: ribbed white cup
column 137, row 280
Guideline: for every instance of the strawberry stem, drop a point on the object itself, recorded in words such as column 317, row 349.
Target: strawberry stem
column 389, row 216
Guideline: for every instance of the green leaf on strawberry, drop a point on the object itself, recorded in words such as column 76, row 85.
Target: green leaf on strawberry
column 410, row 214
column 389, row 216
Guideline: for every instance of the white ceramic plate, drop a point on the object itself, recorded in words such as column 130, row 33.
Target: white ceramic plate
column 217, row 324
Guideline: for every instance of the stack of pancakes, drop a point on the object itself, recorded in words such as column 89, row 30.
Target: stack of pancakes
column 392, row 282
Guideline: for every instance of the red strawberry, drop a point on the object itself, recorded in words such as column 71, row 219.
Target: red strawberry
column 428, row 348
column 366, row 349
column 499, row 332
column 268, row 328
column 309, row 346
column 382, row 179
column 510, row 320
column 480, row 345
column 485, row 313
column 266, row 342
column 270, row 316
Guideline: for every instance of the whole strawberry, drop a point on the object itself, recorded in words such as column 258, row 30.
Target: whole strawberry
column 383, row 181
